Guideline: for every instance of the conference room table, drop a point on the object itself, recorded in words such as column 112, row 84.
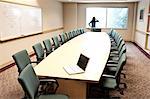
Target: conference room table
column 94, row 45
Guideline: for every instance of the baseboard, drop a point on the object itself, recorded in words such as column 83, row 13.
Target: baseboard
column 144, row 52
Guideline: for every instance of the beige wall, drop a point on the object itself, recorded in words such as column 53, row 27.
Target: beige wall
column 70, row 16
column 141, row 26
column 81, row 15
column 52, row 13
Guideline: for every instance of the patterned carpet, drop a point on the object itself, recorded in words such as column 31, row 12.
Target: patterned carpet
column 137, row 70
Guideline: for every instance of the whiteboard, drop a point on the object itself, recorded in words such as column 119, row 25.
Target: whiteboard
column 19, row 20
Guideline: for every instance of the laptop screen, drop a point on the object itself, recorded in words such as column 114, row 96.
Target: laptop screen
column 82, row 62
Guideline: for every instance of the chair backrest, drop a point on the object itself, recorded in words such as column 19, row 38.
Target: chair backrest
column 119, row 41
column 113, row 34
column 83, row 31
column 39, row 51
column 110, row 32
column 21, row 59
column 56, row 42
column 29, row 81
column 63, row 38
column 70, row 35
column 73, row 33
column 122, row 43
column 118, row 38
column 48, row 46
column 67, row 36
column 80, row 31
column 123, row 50
column 121, row 63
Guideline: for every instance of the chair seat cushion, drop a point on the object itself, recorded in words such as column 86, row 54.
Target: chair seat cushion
column 112, row 65
column 109, row 83
column 55, row 96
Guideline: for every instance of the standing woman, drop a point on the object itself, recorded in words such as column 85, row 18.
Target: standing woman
column 93, row 22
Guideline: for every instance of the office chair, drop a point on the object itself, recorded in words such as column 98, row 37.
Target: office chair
column 67, row 36
column 77, row 32
column 30, row 84
column 112, row 67
column 70, row 35
column 83, row 31
column 63, row 38
column 48, row 46
column 22, row 59
column 113, row 81
column 108, row 82
column 56, row 42
column 80, row 31
column 113, row 58
column 39, row 52
column 109, row 32
column 117, row 49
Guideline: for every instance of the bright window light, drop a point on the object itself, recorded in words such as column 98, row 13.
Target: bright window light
column 107, row 17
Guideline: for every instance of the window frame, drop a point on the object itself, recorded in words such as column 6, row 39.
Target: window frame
column 106, row 17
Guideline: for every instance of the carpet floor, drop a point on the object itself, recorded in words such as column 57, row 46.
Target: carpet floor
column 137, row 70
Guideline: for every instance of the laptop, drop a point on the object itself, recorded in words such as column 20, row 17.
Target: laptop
column 79, row 68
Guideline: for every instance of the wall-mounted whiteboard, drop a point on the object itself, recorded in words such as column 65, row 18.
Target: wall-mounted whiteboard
column 19, row 20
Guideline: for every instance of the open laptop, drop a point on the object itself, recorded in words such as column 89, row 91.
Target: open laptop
column 80, row 67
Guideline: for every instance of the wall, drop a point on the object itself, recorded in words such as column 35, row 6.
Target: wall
column 126, row 33
column 141, row 26
column 70, row 16
column 52, row 13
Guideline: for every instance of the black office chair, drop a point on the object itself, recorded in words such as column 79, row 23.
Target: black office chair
column 22, row 59
column 48, row 46
column 39, row 52
column 30, row 84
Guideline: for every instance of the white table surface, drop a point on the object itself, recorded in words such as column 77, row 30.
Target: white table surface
column 95, row 45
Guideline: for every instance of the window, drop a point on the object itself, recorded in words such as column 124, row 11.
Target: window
column 94, row 12
column 108, row 17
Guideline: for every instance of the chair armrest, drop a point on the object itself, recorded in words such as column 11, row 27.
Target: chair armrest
column 111, row 65
column 34, row 61
column 115, row 52
column 108, row 76
column 112, row 62
column 47, row 80
column 48, row 85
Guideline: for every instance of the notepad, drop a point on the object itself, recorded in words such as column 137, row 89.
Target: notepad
column 79, row 67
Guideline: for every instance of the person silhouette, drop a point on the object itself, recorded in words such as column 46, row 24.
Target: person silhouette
column 93, row 22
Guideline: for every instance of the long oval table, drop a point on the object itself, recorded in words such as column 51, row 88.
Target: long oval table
column 95, row 45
